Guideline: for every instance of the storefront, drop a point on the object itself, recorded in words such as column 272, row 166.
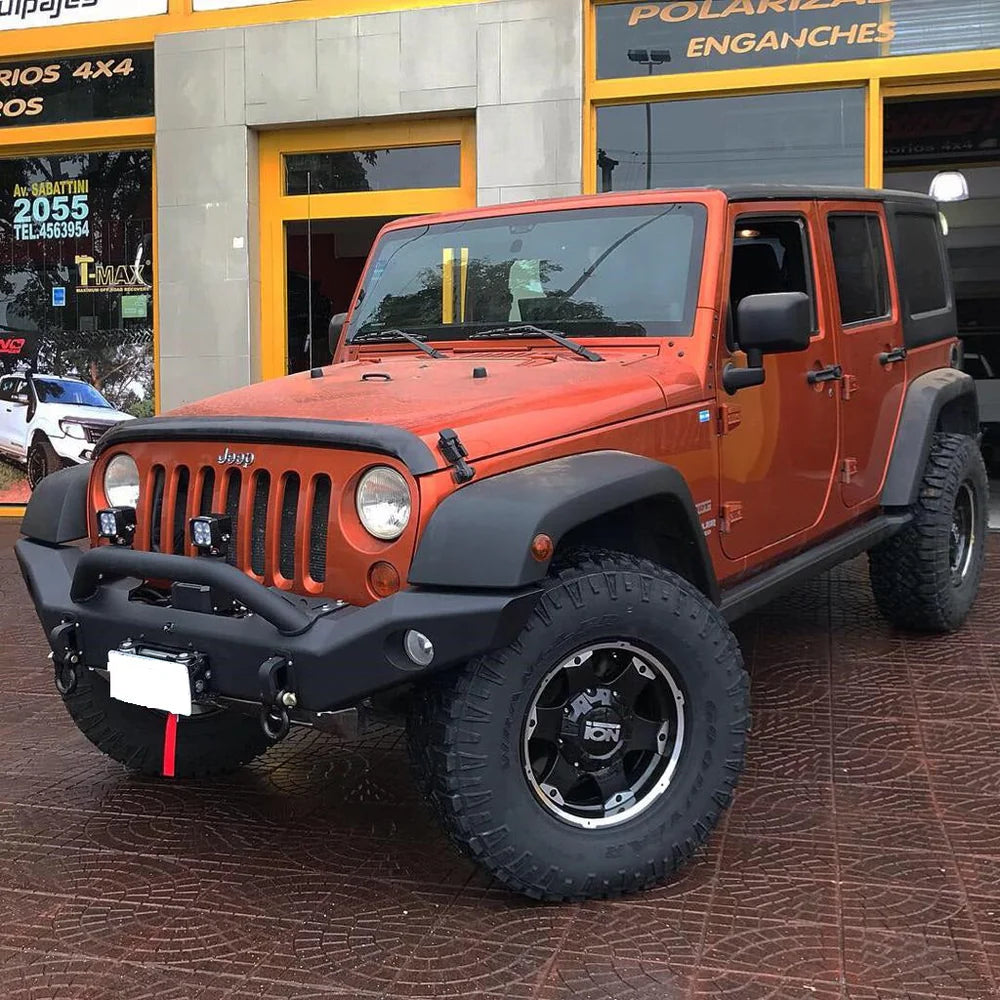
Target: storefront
column 189, row 188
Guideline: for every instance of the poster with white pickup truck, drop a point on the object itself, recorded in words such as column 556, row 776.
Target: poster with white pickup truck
column 48, row 422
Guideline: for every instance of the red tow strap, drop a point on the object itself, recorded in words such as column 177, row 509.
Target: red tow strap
column 169, row 745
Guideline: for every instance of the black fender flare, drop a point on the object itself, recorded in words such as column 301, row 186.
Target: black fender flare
column 57, row 510
column 480, row 536
column 940, row 400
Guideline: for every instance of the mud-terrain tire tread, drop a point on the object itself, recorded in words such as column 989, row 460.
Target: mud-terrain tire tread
column 909, row 572
column 446, row 709
column 53, row 463
column 133, row 736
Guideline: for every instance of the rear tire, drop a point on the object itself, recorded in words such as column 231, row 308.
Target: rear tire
column 593, row 755
column 207, row 744
column 926, row 577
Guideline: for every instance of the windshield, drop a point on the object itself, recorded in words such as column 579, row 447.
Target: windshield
column 628, row 271
column 57, row 390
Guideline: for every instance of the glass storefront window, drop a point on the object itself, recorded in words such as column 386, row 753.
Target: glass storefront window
column 406, row 167
column 698, row 35
column 76, row 313
column 805, row 137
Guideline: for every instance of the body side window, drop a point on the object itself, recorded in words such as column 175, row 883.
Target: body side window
column 860, row 267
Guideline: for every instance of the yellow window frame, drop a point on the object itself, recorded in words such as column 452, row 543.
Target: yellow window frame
column 278, row 208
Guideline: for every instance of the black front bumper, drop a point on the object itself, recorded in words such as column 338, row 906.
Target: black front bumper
column 338, row 654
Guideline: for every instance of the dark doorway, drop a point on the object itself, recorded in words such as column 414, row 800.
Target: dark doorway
column 325, row 259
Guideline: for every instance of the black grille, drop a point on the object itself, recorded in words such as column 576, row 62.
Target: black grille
column 180, row 510
column 95, row 430
column 159, row 480
column 207, row 487
column 289, row 510
column 233, row 485
column 319, row 528
column 250, row 537
column 258, row 526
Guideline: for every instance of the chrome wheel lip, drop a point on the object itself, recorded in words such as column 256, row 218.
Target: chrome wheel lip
column 963, row 535
column 554, row 803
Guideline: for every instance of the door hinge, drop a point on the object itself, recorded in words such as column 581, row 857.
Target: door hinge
column 849, row 386
column 848, row 469
column 730, row 513
column 730, row 417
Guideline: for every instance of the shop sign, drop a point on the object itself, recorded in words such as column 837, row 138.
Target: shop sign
column 923, row 133
column 76, row 88
column 224, row 4
column 48, row 13
column 681, row 37
column 52, row 210
column 97, row 277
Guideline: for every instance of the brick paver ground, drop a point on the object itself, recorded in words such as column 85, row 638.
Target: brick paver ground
column 861, row 860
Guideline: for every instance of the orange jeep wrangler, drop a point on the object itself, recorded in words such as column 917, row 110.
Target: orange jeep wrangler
column 562, row 446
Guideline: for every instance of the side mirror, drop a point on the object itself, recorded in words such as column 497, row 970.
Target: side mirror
column 337, row 321
column 21, row 399
column 773, row 323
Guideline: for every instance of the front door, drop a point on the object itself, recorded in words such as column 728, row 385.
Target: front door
column 871, row 340
column 13, row 414
column 778, row 450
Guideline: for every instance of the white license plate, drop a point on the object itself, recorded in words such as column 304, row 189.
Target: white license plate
column 150, row 682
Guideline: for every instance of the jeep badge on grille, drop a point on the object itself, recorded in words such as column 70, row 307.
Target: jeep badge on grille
column 244, row 459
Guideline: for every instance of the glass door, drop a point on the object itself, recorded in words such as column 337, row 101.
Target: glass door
column 325, row 194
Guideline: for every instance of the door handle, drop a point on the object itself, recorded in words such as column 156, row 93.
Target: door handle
column 832, row 373
column 891, row 357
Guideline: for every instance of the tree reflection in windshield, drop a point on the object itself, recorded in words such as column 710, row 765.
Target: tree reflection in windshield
column 628, row 270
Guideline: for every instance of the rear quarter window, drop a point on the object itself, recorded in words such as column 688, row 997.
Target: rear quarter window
column 921, row 266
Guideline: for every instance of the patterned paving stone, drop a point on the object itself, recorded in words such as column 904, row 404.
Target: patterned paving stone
column 861, row 860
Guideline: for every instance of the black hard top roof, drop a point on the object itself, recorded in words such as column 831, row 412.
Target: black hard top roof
column 788, row 192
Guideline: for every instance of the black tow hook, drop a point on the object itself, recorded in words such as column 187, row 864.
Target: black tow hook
column 277, row 697
column 65, row 658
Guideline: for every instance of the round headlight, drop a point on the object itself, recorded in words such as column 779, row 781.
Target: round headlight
column 121, row 482
column 383, row 501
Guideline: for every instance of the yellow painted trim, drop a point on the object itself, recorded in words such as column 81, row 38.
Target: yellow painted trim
column 277, row 208
column 769, row 78
column 966, row 87
column 91, row 137
column 874, row 135
column 156, row 291
column 11, row 510
column 105, row 35
column 447, row 285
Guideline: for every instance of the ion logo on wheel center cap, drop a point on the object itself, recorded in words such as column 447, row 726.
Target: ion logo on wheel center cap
column 602, row 732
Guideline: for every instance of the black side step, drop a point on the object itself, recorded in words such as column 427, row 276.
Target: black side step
column 759, row 590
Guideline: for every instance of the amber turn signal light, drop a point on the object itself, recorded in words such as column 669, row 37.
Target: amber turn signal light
column 542, row 548
column 383, row 579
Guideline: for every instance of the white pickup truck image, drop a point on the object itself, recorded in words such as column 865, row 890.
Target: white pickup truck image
column 49, row 421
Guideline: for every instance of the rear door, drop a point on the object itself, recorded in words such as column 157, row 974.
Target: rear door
column 778, row 450
column 867, row 323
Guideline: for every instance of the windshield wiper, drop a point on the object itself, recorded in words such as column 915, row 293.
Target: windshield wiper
column 529, row 330
column 390, row 335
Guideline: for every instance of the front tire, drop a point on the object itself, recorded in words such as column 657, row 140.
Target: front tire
column 926, row 577
column 593, row 755
column 42, row 460
column 212, row 743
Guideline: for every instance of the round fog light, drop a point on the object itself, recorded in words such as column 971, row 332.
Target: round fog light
column 418, row 648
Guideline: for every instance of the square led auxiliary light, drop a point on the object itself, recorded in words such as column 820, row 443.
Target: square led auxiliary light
column 211, row 534
column 117, row 524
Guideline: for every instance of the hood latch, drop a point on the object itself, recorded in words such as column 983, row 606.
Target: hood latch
column 451, row 447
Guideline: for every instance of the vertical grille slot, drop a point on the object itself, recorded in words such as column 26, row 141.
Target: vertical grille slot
column 178, row 521
column 258, row 526
column 319, row 528
column 233, row 484
column 156, row 508
column 289, row 509
column 207, row 487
